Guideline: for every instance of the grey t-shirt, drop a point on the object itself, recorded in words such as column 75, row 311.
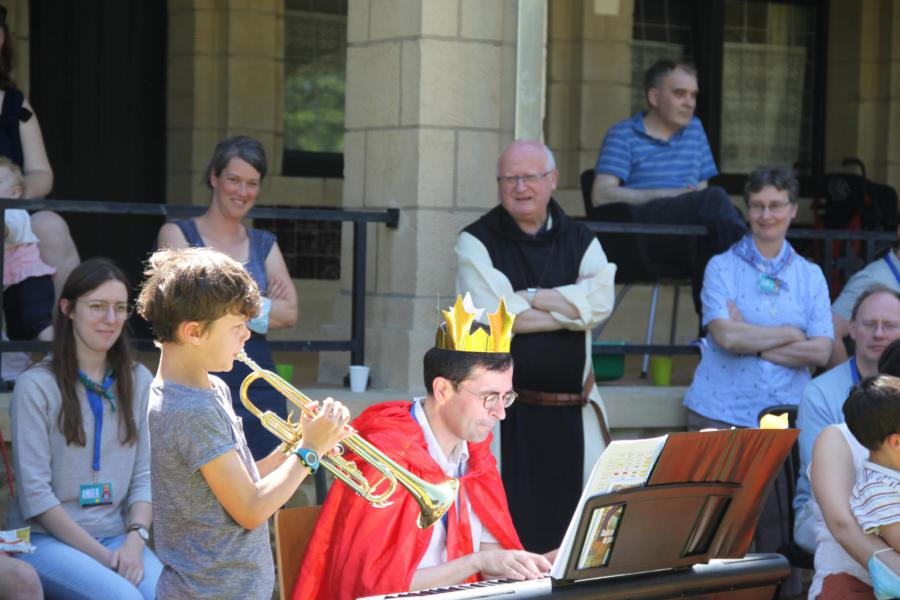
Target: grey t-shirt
column 205, row 552
column 876, row 272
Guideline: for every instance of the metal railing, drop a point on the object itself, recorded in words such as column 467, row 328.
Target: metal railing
column 360, row 218
column 873, row 242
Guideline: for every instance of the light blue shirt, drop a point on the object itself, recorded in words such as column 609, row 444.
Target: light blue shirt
column 822, row 405
column 644, row 162
column 735, row 387
column 877, row 272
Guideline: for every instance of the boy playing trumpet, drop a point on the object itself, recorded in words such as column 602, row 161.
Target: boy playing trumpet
column 211, row 500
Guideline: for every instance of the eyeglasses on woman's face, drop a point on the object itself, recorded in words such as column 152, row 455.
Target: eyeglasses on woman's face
column 99, row 309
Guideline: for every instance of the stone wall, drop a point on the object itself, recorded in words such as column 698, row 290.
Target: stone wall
column 225, row 77
column 863, row 103
column 589, row 86
column 430, row 103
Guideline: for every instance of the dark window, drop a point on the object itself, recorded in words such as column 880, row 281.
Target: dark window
column 315, row 58
column 311, row 249
column 662, row 29
column 762, row 77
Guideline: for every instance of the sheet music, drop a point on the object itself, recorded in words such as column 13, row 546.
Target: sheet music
column 624, row 464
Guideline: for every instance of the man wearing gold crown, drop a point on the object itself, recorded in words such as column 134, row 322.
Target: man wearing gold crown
column 556, row 278
column 357, row 550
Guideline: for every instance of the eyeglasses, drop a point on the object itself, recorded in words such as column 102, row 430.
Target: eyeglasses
column 100, row 308
column 776, row 208
column 490, row 400
column 887, row 327
column 513, row 180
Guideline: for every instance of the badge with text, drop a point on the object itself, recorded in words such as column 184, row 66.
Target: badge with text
column 95, row 494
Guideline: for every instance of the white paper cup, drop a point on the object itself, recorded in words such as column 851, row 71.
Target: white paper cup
column 359, row 377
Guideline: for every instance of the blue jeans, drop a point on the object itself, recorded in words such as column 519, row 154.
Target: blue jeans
column 71, row 574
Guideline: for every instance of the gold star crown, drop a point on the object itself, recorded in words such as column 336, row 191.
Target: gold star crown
column 456, row 333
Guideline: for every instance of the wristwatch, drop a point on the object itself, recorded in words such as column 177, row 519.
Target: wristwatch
column 309, row 458
column 530, row 293
column 141, row 531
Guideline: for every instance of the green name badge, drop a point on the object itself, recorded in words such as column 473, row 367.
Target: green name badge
column 95, row 494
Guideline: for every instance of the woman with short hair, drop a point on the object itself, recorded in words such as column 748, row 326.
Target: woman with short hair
column 767, row 312
column 235, row 173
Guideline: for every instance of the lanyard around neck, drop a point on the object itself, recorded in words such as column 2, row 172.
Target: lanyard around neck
column 854, row 371
column 94, row 391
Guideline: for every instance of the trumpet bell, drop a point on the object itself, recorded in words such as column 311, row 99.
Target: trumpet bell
column 435, row 500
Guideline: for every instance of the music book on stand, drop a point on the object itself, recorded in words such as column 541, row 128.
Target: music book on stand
column 670, row 502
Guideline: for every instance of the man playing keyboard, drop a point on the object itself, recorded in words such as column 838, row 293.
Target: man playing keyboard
column 357, row 550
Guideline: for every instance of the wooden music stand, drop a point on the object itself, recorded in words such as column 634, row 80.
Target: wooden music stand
column 701, row 502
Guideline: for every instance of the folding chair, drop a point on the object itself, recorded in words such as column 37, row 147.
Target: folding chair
column 293, row 529
column 634, row 266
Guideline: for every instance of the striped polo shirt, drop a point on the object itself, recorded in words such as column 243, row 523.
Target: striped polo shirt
column 875, row 500
column 645, row 162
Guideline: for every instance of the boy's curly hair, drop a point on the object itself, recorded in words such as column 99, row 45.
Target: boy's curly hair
column 194, row 284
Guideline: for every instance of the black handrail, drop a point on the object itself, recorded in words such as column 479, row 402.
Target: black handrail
column 874, row 240
column 355, row 345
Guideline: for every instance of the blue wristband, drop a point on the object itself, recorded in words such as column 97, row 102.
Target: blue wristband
column 309, row 458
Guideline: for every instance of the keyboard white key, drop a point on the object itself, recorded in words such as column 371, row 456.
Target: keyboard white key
column 500, row 589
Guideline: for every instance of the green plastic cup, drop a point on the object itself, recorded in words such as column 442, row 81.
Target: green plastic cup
column 661, row 370
column 285, row 371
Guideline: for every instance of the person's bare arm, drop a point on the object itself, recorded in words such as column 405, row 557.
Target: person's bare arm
column 170, row 236
column 607, row 189
column 281, row 291
column 740, row 337
column 891, row 535
column 269, row 463
column 251, row 503
column 832, row 476
column 812, row 352
column 37, row 170
column 492, row 561
column 60, row 525
column 131, row 552
column 838, row 350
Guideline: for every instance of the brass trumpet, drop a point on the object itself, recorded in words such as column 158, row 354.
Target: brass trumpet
column 433, row 499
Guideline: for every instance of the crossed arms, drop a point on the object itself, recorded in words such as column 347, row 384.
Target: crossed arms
column 579, row 306
column 785, row 345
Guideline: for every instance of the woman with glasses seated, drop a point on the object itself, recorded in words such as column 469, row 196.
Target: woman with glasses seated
column 767, row 312
column 235, row 174
column 82, row 454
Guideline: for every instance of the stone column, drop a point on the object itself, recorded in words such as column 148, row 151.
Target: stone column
column 225, row 76
column 863, row 104
column 589, row 86
column 430, row 103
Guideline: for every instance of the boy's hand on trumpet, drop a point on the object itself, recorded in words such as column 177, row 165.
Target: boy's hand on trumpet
column 327, row 428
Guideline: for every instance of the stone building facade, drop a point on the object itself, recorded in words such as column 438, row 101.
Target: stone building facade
column 434, row 90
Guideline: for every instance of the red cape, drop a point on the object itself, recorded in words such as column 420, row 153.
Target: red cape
column 357, row 550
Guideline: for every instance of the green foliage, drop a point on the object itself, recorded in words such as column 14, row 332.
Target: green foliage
column 314, row 108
